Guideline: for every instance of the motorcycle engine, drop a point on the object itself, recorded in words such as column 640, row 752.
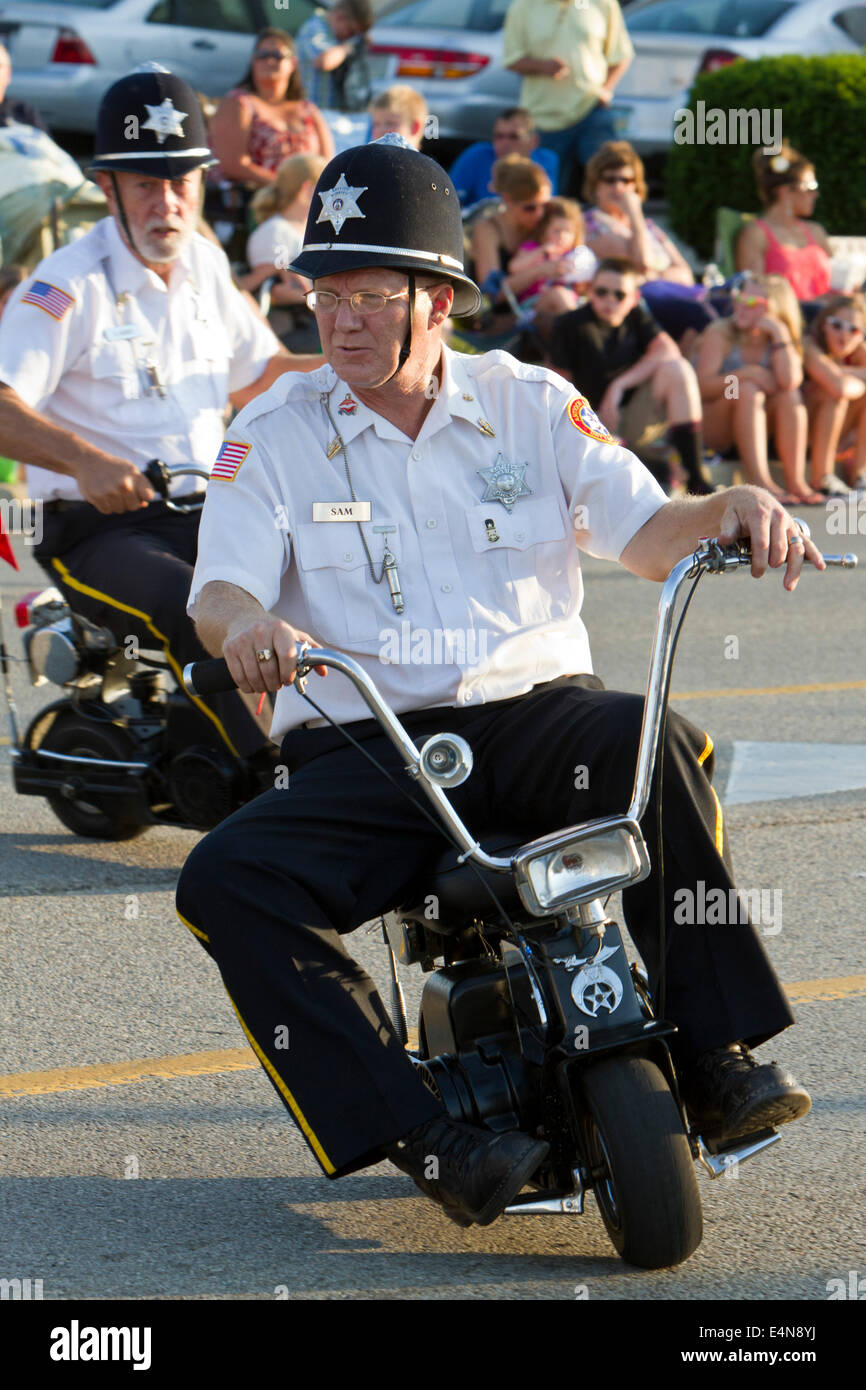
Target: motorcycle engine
column 204, row 786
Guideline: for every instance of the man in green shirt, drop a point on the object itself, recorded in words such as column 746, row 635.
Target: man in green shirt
column 570, row 54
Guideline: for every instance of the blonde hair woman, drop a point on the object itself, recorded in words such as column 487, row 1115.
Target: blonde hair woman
column 750, row 369
column 281, row 212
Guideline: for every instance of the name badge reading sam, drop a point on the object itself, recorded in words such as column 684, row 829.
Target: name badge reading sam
column 123, row 330
column 341, row 511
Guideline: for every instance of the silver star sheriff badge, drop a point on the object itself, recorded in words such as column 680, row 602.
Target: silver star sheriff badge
column 339, row 203
column 505, row 482
column 165, row 120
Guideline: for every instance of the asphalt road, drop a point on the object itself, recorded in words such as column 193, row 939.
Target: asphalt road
column 146, row 1156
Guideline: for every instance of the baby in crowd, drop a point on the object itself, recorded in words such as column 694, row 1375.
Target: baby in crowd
column 564, row 264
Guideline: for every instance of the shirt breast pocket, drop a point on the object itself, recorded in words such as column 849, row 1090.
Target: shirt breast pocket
column 119, row 386
column 345, row 604
column 533, row 542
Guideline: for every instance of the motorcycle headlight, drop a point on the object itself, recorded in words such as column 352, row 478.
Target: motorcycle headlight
column 562, row 870
column 52, row 654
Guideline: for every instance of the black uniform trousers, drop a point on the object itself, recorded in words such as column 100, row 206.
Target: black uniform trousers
column 131, row 572
column 270, row 892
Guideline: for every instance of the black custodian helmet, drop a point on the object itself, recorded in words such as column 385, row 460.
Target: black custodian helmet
column 385, row 204
column 151, row 122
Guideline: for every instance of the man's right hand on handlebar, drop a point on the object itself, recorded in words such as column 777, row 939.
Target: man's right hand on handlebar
column 246, row 643
column 113, row 485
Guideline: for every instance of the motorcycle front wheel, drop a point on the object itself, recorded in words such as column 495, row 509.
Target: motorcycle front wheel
column 645, row 1183
column 99, row 818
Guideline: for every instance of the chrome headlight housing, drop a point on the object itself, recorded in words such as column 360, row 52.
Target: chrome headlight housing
column 570, row 867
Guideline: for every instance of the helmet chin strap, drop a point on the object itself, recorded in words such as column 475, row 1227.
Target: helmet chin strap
column 406, row 349
column 124, row 221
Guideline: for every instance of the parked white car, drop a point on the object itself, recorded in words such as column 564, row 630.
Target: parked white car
column 451, row 50
column 67, row 53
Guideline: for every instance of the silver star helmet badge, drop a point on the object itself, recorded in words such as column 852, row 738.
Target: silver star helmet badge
column 339, row 203
column 165, row 120
column 505, row 482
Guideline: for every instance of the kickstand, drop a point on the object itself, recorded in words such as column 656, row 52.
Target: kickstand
column 398, row 1003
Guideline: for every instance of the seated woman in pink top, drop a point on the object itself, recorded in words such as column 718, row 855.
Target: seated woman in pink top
column 783, row 242
column 265, row 118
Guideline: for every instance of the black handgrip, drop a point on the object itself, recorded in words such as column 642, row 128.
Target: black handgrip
column 208, row 677
column 158, row 475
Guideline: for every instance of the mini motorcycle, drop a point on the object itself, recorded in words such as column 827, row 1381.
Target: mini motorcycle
column 123, row 748
column 533, row 1020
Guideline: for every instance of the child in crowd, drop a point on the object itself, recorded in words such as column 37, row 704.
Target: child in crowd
column 281, row 211
column 631, row 372
column 556, row 251
column 835, row 392
column 750, row 370
column 400, row 109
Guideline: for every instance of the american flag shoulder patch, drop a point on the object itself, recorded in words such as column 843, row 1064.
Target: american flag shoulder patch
column 229, row 459
column 48, row 297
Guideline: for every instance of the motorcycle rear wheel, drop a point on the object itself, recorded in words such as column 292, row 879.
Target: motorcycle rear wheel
column 646, row 1189
column 97, row 818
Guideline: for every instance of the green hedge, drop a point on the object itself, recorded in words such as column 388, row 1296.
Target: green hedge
column 823, row 104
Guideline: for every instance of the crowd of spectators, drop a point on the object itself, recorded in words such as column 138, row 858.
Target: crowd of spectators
column 601, row 292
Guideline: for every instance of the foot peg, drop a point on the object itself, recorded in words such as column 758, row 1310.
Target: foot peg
column 720, row 1158
column 569, row 1202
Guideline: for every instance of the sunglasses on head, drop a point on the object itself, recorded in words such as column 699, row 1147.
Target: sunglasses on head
column 602, row 292
column 617, row 178
column 843, row 326
column 750, row 300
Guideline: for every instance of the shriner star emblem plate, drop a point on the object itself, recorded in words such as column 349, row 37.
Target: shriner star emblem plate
column 340, row 203
column 165, row 120
column 505, row 482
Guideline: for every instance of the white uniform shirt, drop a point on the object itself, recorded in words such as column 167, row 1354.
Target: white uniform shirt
column 275, row 242
column 67, row 361
column 492, row 597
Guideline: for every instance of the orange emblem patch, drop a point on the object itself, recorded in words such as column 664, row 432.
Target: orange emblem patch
column 585, row 419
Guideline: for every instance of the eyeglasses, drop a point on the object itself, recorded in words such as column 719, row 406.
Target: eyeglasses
column 507, row 135
column 602, row 292
column 749, row 300
column 843, row 326
column 810, row 186
column 362, row 301
column 617, row 178
column 533, row 207
column 276, row 55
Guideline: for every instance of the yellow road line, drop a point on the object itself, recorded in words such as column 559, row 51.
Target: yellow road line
column 819, row 687
column 44, row 1083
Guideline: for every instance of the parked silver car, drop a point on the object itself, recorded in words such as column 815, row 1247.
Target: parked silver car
column 452, row 51
column 66, row 53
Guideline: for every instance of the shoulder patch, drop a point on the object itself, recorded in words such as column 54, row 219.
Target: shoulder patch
column 43, row 295
column 229, row 459
column 585, row 419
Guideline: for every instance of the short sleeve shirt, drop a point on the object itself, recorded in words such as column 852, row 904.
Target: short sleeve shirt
column 492, row 593
column 591, row 37
column 87, row 362
column 275, row 242
column 594, row 353
column 314, row 38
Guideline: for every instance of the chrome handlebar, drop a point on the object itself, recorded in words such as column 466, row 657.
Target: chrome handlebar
column 710, row 557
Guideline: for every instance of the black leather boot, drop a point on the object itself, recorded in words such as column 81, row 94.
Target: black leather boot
column 729, row 1093
column 471, row 1172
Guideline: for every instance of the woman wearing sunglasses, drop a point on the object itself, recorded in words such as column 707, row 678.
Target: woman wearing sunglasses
column 783, row 241
column 616, row 228
column 265, row 118
column 750, row 369
column 835, row 391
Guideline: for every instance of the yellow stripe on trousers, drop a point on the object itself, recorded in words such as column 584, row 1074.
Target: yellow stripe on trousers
column 720, row 820
column 274, row 1074
column 160, row 636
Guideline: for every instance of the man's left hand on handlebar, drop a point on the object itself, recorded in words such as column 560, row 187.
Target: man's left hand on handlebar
column 775, row 536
